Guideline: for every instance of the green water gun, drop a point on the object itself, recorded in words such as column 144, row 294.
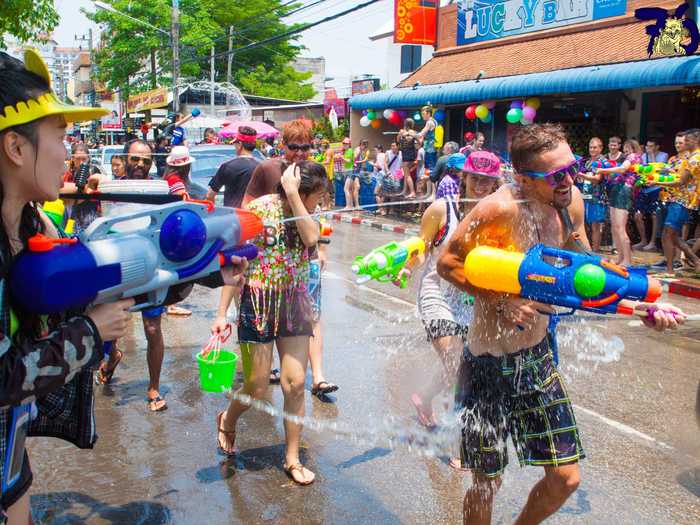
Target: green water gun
column 384, row 263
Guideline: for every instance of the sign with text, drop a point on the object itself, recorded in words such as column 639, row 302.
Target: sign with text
column 360, row 87
column 415, row 21
column 156, row 98
column 480, row 20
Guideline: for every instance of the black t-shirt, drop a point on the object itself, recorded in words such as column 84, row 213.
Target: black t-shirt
column 235, row 175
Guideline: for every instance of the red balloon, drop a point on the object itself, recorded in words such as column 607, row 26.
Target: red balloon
column 396, row 119
column 469, row 136
column 470, row 113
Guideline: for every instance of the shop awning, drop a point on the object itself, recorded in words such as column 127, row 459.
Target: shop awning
column 674, row 71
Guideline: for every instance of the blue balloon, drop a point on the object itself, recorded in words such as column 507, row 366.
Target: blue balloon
column 487, row 118
column 439, row 115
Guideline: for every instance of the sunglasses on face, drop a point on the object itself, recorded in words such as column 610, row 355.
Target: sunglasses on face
column 297, row 147
column 136, row 159
column 555, row 177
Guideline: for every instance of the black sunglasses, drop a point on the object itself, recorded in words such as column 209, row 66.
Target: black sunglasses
column 296, row 147
column 135, row 159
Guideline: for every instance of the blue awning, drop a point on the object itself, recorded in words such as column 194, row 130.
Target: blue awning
column 673, row 71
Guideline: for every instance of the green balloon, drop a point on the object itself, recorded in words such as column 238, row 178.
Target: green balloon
column 371, row 115
column 514, row 115
column 589, row 280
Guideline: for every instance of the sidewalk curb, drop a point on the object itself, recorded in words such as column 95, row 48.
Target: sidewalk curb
column 675, row 286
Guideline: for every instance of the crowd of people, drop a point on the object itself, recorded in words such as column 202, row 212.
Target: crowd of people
column 46, row 363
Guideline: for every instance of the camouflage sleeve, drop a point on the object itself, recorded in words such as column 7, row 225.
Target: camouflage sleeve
column 34, row 368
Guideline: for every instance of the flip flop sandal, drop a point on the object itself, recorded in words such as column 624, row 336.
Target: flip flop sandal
column 289, row 469
column 103, row 377
column 274, row 376
column 323, row 388
column 230, row 434
column 152, row 402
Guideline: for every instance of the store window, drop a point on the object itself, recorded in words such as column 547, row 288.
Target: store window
column 410, row 58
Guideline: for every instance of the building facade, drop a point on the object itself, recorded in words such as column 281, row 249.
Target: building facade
column 401, row 59
column 317, row 67
column 590, row 62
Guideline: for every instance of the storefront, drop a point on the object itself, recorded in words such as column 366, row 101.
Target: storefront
column 587, row 61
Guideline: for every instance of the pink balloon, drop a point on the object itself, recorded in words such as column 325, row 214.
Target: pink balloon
column 529, row 113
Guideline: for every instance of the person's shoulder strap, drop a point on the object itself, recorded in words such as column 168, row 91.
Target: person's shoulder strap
column 569, row 232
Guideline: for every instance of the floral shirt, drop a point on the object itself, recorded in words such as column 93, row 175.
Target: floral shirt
column 689, row 195
column 593, row 191
column 283, row 260
column 628, row 177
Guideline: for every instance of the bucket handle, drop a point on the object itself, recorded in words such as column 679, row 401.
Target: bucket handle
column 215, row 342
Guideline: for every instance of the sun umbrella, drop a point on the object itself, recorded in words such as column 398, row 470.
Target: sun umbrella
column 263, row 130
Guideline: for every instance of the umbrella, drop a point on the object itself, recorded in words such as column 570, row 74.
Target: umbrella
column 263, row 130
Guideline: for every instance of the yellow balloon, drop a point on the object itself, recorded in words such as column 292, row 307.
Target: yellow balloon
column 481, row 111
column 533, row 102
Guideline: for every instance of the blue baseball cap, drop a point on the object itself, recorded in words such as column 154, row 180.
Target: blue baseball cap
column 456, row 161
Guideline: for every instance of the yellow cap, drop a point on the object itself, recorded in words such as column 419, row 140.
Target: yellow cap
column 46, row 104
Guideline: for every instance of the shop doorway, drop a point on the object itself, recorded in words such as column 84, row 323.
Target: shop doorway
column 667, row 112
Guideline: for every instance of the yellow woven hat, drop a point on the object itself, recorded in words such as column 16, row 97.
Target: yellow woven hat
column 46, row 104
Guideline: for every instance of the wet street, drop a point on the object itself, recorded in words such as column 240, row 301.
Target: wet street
column 634, row 393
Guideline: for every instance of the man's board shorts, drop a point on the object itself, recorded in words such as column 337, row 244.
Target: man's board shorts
column 152, row 313
column 594, row 211
column 647, row 200
column 521, row 395
column 437, row 328
column 314, row 288
column 676, row 216
column 430, row 159
column 283, row 318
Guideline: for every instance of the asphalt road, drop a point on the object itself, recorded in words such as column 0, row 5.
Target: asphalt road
column 634, row 393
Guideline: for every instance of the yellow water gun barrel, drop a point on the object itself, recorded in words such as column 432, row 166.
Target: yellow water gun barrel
column 494, row 269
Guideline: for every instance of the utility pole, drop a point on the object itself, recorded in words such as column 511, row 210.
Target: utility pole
column 229, row 57
column 175, row 36
column 154, row 78
column 213, row 73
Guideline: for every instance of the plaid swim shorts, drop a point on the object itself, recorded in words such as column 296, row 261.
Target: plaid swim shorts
column 521, row 395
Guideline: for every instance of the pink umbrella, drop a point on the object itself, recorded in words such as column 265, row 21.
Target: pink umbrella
column 263, row 130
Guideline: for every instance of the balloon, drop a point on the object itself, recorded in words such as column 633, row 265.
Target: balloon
column 364, row 112
column 490, row 104
column 403, row 114
column 469, row 136
column 371, row 114
column 396, row 119
column 416, row 117
column 516, row 104
column 375, row 124
column 514, row 115
column 388, row 113
column 364, row 121
column 529, row 113
column 533, row 102
column 439, row 115
column 487, row 118
column 525, row 121
column 481, row 111
column 470, row 113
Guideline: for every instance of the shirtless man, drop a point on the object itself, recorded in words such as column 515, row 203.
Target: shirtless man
column 515, row 387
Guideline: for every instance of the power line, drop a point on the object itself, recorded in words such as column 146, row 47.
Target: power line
column 287, row 34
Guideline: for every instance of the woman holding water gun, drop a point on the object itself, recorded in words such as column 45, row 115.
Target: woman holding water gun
column 621, row 185
column 444, row 309
column 45, row 362
column 276, row 307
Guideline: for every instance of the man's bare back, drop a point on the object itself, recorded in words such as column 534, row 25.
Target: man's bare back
column 506, row 220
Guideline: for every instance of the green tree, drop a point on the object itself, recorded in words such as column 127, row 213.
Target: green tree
column 124, row 58
column 26, row 19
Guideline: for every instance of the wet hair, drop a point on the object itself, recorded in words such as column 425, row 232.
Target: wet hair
column 531, row 141
column 296, row 131
column 18, row 85
column 408, row 123
column 313, row 178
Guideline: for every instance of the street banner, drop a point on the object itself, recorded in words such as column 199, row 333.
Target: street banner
column 415, row 22
column 479, row 20
column 156, row 98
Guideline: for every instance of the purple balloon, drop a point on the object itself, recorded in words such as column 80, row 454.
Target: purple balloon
column 516, row 104
column 529, row 113
column 364, row 112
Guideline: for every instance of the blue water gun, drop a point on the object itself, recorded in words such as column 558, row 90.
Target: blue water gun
column 561, row 278
column 181, row 242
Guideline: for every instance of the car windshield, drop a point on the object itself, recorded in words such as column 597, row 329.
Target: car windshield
column 208, row 161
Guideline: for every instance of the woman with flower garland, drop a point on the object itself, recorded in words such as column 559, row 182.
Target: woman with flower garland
column 276, row 307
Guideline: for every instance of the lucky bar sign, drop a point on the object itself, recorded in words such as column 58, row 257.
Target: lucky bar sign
column 490, row 19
